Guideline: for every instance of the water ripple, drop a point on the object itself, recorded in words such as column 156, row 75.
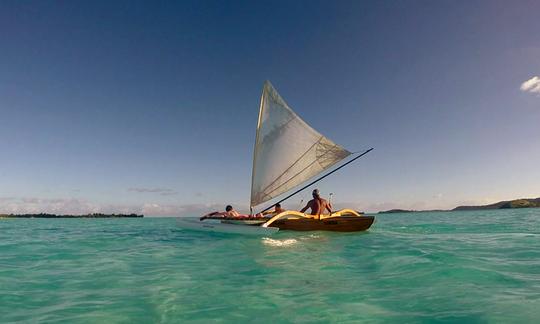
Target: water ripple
column 441, row 267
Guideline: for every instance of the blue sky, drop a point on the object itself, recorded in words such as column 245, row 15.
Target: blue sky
column 152, row 106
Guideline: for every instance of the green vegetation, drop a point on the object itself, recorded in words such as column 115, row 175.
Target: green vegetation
column 506, row 204
column 517, row 203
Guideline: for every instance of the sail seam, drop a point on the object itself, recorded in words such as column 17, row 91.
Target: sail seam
column 304, row 169
column 294, row 176
column 295, row 162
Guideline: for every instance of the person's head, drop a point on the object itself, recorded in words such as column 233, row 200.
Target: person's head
column 278, row 206
column 315, row 193
column 228, row 208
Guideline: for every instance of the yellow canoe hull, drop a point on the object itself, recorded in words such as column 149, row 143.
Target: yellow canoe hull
column 345, row 220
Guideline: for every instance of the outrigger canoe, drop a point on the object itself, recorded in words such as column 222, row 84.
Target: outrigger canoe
column 287, row 153
column 345, row 220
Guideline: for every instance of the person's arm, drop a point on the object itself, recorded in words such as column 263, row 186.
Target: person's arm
column 208, row 215
column 305, row 208
column 329, row 207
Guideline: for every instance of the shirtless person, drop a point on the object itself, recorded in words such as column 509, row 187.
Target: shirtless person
column 317, row 205
column 229, row 212
column 277, row 210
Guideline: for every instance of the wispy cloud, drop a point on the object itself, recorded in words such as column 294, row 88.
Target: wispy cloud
column 160, row 191
column 71, row 206
column 532, row 85
column 155, row 209
column 74, row 206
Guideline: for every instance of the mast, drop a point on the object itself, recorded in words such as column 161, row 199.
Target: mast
column 256, row 142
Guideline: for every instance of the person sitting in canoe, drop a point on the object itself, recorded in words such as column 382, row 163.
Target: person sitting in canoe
column 271, row 213
column 318, row 205
column 229, row 212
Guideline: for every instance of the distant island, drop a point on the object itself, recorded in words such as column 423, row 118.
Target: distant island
column 506, row 204
column 95, row 215
column 392, row 211
column 516, row 203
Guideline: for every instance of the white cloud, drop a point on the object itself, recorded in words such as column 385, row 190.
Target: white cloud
column 154, row 209
column 70, row 206
column 532, row 85
column 74, row 206
column 161, row 191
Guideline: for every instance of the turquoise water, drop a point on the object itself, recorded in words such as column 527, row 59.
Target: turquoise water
column 466, row 267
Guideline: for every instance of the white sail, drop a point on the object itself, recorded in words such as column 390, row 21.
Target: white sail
column 287, row 150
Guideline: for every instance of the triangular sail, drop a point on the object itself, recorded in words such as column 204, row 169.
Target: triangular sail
column 287, row 150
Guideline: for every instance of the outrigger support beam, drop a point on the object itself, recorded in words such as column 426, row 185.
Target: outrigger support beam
column 315, row 181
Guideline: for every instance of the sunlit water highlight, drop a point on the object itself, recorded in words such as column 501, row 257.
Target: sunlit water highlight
column 476, row 267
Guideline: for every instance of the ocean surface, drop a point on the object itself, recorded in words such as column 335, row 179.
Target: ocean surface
column 461, row 267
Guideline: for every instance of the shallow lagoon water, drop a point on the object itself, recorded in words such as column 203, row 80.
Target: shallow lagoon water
column 466, row 267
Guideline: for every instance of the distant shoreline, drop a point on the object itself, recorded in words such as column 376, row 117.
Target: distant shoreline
column 398, row 211
column 43, row 215
column 505, row 204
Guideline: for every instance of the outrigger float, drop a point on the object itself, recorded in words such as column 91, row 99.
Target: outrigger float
column 288, row 152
